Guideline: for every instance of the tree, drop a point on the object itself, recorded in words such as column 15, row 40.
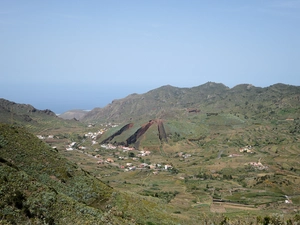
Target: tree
column 131, row 154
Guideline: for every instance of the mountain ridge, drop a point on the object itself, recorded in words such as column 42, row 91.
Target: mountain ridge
column 181, row 111
column 155, row 102
column 32, row 118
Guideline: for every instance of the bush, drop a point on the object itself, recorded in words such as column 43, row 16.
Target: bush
column 131, row 154
column 17, row 199
column 3, row 142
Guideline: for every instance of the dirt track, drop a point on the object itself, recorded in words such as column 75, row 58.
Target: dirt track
column 221, row 207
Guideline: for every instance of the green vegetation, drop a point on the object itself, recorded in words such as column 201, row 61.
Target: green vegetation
column 224, row 156
column 37, row 185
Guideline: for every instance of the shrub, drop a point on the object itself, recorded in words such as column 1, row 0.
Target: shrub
column 3, row 142
column 17, row 199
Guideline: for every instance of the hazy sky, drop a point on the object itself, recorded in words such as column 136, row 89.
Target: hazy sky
column 62, row 55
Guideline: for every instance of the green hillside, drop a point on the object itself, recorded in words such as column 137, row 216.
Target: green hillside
column 171, row 102
column 191, row 112
column 203, row 155
column 35, row 120
column 38, row 186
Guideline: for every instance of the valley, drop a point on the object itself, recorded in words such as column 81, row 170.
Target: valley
column 199, row 174
column 209, row 154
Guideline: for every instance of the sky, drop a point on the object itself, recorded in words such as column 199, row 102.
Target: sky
column 63, row 54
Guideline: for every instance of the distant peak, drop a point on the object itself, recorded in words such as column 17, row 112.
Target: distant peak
column 168, row 86
column 243, row 86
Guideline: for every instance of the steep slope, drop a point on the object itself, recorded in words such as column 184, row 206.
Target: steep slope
column 189, row 113
column 27, row 201
column 133, row 135
column 37, row 185
column 22, row 153
column 141, row 131
column 119, row 132
column 18, row 109
column 171, row 102
column 34, row 119
column 166, row 101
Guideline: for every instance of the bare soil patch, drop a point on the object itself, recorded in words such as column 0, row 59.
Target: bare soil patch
column 217, row 207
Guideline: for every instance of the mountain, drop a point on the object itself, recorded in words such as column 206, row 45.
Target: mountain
column 170, row 102
column 166, row 101
column 34, row 119
column 218, row 155
column 21, row 112
column 75, row 113
column 189, row 113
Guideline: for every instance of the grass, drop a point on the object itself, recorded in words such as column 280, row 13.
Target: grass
column 39, row 185
column 205, row 159
column 198, row 179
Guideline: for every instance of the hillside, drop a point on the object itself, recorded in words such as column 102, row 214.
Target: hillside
column 33, row 119
column 220, row 151
column 170, row 156
column 38, row 185
column 188, row 113
column 172, row 102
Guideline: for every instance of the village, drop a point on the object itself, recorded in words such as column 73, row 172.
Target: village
column 123, row 157
column 107, row 160
column 128, row 158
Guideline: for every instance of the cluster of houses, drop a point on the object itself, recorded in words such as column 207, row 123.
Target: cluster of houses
column 143, row 153
column 258, row 165
column 74, row 145
column 247, row 149
column 157, row 167
column 41, row 137
column 125, row 149
column 182, row 155
column 108, row 146
column 93, row 135
column 131, row 166
column 109, row 125
column 103, row 125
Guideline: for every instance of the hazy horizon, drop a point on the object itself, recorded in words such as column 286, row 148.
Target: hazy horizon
column 68, row 55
